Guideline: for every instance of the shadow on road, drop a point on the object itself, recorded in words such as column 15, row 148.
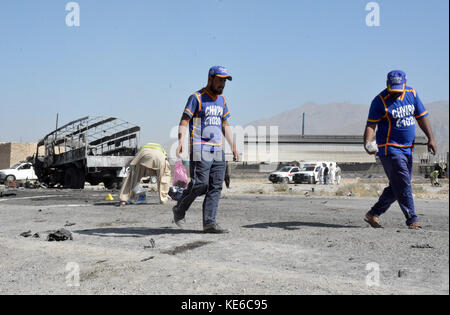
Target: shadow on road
column 290, row 226
column 115, row 203
column 133, row 232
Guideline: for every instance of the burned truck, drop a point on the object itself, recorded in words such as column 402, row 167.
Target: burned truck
column 90, row 149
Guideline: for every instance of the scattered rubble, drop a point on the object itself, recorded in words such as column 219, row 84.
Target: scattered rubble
column 26, row 234
column 60, row 236
column 152, row 244
column 402, row 273
column 2, row 194
column 422, row 246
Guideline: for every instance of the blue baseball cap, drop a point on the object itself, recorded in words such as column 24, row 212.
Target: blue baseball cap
column 220, row 71
column 396, row 81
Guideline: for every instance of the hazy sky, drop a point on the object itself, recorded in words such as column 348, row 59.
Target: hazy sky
column 139, row 60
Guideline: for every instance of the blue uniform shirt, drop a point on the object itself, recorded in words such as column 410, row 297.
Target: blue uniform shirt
column 205, row 127
column 396, row 120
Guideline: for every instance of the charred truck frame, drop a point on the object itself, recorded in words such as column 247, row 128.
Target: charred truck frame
column 90, row 149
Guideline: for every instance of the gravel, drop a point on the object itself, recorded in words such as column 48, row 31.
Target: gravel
column 279, row 244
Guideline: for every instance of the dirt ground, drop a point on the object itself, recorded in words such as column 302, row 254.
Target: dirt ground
column 293, row 241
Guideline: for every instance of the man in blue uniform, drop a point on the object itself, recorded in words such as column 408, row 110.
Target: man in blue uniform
column 207, row 114
column 395, row 112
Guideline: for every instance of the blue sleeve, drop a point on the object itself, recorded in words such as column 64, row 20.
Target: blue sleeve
column 192, row 106
column 420, row 110
column 377, row 111
column 226, row 112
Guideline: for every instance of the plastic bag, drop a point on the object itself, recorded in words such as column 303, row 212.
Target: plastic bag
column 372, row 147
column 139, row 196
column 179, row 175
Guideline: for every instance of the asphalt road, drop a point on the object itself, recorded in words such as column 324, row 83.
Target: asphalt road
column 277, row 245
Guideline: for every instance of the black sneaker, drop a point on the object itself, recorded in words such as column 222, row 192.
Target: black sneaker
column 177, row 219
column 215, row 229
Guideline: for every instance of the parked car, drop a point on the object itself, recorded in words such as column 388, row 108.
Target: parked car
column 284, row 175
column 310, row 172
column 20, row 171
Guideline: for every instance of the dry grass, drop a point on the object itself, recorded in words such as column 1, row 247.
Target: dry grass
column 359, row 190
column 255, row 191
column 281, row 187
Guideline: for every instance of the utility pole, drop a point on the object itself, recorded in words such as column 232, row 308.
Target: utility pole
column 303, row 125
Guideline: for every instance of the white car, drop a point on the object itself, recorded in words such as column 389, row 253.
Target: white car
column 20, row 171
column 284, row 175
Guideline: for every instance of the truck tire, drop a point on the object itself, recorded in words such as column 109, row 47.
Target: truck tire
column 81, row 178
column 71, row 179
column 111, row 184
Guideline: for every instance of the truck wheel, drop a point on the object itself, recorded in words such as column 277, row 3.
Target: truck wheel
column 71, row 178
column 81, row 178
column 111, row 184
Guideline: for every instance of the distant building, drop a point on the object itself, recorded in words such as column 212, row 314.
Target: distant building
column 12, row 153
column 341, row 149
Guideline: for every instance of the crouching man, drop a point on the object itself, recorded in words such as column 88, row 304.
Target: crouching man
column 151, row 160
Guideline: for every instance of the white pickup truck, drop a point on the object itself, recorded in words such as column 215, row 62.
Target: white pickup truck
column 310, row 172
column 284, row 175
column 20, row 171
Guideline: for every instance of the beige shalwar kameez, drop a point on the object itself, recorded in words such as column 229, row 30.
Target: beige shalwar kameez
column 148, row 162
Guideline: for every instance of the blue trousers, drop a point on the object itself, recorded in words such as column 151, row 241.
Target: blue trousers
column 207, row 172
column 398, row 169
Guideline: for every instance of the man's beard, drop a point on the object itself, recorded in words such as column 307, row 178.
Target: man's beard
column 216, row 91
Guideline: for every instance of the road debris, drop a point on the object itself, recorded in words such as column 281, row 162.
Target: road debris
column 60, row 235
column 152, row 244
column 422, row 246
column 7, row 194
column 26, row 234
column 402, row 273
